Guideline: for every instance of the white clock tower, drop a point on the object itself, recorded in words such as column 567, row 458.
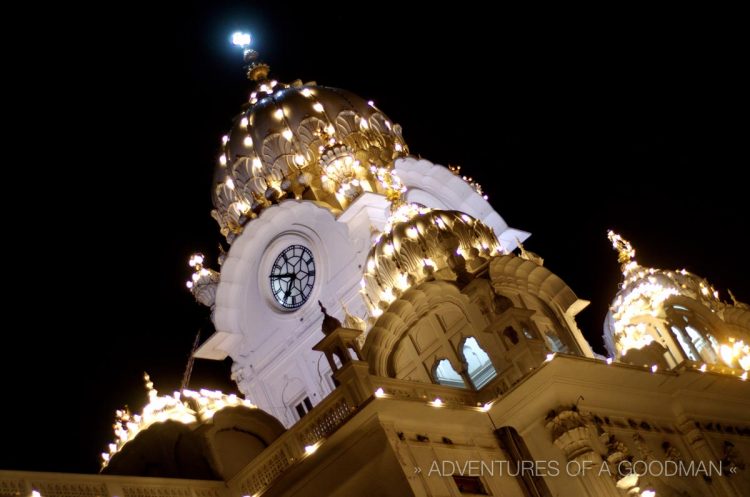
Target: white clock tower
column 306, row 181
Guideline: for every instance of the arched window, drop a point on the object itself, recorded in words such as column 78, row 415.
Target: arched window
column 444, row 374
column 554, row 343
column 685, row 344
column 479, row 365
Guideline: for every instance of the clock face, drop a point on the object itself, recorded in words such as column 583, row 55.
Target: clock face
column 293, row 276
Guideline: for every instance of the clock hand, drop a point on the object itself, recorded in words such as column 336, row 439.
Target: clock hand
column 289, row 289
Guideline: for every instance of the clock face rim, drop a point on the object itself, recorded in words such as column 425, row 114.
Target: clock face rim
column 307, row 290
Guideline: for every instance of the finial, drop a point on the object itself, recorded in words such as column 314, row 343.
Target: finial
column 520, row 246
column 529, row 256
column 256, row 70
column 351, row 321
column 149, row 383
column 626, row 252
column 736, row 302
column 330, row 323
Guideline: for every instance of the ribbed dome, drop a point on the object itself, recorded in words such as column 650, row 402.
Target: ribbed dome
column 644, row 294
column 420, row 243
column 305, row 142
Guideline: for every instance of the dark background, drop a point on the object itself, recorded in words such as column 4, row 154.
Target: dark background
column 573, row 121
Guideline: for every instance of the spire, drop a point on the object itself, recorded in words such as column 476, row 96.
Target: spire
column 330, row 323
column 529, row 256
column 625, row 252
column 351, row 321
column 736, row 302
column 256, row 70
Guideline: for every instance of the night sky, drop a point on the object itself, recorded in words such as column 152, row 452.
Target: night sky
column 573, row 122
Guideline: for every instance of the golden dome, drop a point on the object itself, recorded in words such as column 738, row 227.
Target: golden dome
column 301, row 141
column 644, row 290
column 419, row 244
column 644, row 298
column 186, row 406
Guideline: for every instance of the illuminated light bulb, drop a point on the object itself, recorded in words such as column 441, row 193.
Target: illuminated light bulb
column 379, row 393
column 243, row 207
column 388, row 124
column 248, row 142
column 371, row 103
column 223, row 159
column 648, row 493
column 703, row 368
column 224, row 139
column 727, row 354
column 241, row 39
column 35, row 493
column 654, row 368
column 549, row 357
column 465, row 218
column 486, row 407
column 243, row 122
column 299, row 160
column 377, row 312
column 230, row 183
column 318, row 107
column 628, row 481
column 363, row 124
column 609, row 360
column 287, row 133
column 362, row 283
column 388, row 295
column 388, row 249
column 428, row 262
column 310, row 449
column 437, row 402
column 743, row 376
column 306, row 92
column 330, row 129
column 398, row 147
column 189, row 284
column 278, row 114
column 412, row 232
column 274, row 83
column 371, row 265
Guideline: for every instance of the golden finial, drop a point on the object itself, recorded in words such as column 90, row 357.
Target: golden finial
column 625, row 251
column 529, row 256
column 256, row 70
column 736, row 302
column 351, row 321
column 149, row 383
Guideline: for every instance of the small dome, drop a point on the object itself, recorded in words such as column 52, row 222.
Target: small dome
column 170, row 416
column 301, row 141
column 420, row 243
column 663, row 318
